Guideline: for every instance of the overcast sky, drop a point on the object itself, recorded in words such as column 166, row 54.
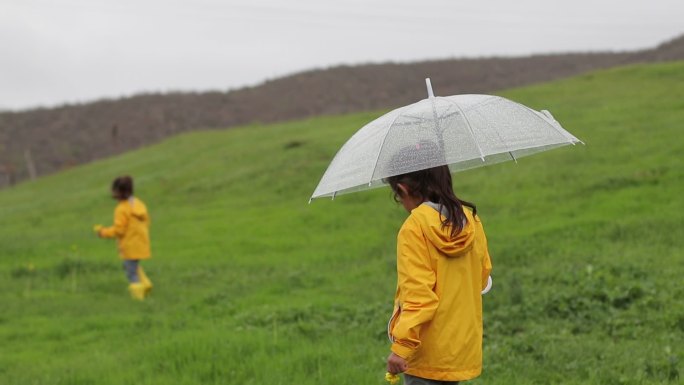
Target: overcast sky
column 58, row 51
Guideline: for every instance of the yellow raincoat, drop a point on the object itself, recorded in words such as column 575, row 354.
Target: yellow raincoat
column 437, row 321
column 131, row 229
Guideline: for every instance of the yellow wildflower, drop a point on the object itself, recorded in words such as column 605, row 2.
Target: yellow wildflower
column 393, row 379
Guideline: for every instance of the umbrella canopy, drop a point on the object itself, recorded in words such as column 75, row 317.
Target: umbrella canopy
column 462, row 131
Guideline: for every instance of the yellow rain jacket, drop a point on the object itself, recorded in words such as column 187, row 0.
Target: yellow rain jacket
column 437, row 321
column 131, row 229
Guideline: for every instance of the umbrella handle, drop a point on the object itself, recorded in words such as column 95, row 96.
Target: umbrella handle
column 489, row 286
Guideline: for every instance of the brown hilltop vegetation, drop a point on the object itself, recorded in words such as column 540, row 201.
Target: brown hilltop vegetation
column 43, row 141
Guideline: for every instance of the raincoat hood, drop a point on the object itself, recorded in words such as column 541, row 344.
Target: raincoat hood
column 440, row 237
column 138, row 208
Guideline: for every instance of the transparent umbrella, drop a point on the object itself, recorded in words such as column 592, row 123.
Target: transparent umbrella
column 462, row 131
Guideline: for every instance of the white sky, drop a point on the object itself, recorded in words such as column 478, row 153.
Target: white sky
column 57, row 51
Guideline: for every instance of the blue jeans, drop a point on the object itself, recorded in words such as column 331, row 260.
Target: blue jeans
column 131, row 268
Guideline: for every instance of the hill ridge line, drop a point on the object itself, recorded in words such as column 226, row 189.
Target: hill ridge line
column 57, row 138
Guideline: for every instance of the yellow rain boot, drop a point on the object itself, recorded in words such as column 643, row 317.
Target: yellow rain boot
column 144, row 280
column 137, row 291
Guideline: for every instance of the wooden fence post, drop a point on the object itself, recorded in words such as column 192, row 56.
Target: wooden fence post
column 30, row 166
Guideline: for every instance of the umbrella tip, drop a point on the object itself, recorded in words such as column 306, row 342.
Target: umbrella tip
column 429, row 88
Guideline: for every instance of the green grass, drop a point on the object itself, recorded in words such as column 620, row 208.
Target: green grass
column 254, row 286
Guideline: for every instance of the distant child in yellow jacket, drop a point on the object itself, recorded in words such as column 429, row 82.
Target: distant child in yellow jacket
column 442, row 266
column 131, row 230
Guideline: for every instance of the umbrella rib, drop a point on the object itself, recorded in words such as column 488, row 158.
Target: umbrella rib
column 422, row 119
column 498, row 135
column 411, row 123
column 370, row 180
column 470, row 128
column 438, row 130
column 414, row 117
column 513, row 156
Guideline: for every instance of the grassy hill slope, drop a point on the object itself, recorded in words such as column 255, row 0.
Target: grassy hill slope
column 254, row 286
column 63, row 137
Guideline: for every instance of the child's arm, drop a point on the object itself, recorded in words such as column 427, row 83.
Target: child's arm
column 119, row 227
column 416, row 280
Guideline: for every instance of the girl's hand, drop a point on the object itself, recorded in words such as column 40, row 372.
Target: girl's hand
column 97, row 229
column 396, row 364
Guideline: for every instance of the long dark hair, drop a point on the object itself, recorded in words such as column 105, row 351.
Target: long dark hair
column 123, row 187
column 435, row 185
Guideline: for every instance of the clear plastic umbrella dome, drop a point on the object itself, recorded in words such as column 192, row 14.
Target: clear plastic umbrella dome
column 462, row 131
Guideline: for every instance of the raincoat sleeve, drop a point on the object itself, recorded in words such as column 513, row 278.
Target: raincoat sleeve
column 486, row 261
column 119, row 227
column 416, row 280
column 486, row 268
